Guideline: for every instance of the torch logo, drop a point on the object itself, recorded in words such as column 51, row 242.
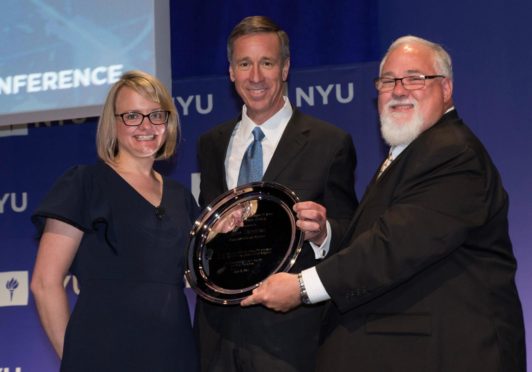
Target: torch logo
column 14, row 288
column 11, row 285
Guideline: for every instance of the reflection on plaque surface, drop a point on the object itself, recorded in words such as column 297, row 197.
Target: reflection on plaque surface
column 243, row 237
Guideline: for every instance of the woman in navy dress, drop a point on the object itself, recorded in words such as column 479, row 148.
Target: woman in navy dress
column 121, row 228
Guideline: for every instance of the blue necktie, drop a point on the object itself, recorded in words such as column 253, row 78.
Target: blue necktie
column 251, row 167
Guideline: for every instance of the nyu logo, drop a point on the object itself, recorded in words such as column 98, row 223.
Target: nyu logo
column 57, row 123
column 200, row 106
column 14, row 288
column 340, row 94
column 22, row 129
column 312, row 95
column 18, row 203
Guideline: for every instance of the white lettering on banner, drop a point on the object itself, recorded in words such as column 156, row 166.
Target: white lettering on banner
column 75, row 283
column 57, row 80
column 3, row 201
column 185, row 104
column 14, row 130
column 309, row 97
column 6, row 369
column 18, row 204
column 22, row 129
column 14, row 288
column 324, row 93
column 59, row 123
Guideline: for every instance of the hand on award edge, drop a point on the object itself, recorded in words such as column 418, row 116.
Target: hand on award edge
column 279, row 292
column 312, row 219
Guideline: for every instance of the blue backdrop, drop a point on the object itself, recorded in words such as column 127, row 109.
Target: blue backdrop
column 335, row 46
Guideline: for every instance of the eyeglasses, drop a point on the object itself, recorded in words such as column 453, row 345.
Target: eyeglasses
column 134, row 119
column 411, row 82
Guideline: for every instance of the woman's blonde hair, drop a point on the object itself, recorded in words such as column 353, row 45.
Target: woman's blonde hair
column 150, row 88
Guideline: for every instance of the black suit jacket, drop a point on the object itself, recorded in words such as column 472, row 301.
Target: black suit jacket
column 317, row 161
column 425, row 278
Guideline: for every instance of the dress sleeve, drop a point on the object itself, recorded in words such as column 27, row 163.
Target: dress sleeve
column 66, row 201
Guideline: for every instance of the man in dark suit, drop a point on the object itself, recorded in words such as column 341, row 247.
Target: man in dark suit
column 424, row 280
column 314, row 159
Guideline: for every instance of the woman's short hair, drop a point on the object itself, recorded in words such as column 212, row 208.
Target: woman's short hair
column 150, row 88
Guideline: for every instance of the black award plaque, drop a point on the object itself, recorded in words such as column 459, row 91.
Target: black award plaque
column 240, row 239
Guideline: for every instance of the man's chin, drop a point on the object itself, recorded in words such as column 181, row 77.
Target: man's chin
column 398, row 133
column 399, row 137
column 395, row 125
column 400, row 117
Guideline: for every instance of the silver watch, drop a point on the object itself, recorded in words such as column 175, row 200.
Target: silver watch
column 302, row 290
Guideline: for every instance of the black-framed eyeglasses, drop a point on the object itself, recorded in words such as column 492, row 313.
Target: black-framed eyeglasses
column 410, row 82
column 134, row 118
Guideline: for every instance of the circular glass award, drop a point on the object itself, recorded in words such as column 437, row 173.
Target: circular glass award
column 240, row 239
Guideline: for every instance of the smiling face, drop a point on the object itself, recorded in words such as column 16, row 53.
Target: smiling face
column 142, row 141
column 259, row 74
column 407, row 113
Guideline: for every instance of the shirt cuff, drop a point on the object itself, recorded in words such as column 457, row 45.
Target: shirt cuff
column 320, row 251
column 315, row 290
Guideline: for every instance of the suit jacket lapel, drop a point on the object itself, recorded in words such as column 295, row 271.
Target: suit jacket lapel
column 385, row 177
column 368, row 195
column 352, row 225
column 293, row 140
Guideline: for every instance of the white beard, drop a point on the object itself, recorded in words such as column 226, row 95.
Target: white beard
column 398, row 131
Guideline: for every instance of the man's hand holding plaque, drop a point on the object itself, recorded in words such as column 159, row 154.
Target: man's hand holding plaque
column 312, row 220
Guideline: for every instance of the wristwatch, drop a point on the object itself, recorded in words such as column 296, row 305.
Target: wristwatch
column 303, row 291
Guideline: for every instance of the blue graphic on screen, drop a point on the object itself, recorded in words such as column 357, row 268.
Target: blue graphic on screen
column 59, row 57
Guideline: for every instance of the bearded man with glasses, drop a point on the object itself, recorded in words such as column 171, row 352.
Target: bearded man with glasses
column 425, row 276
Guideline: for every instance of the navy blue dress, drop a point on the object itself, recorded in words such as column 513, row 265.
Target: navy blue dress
column 131, row 313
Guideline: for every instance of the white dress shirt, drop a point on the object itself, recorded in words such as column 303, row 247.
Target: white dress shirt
column 241, row 138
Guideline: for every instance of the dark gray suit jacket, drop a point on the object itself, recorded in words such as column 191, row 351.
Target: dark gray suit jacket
column 317, row 161
column 425, row 277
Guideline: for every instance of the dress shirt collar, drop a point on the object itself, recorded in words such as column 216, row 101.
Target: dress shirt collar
column 273, row 127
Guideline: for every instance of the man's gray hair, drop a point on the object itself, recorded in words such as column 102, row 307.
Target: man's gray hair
column 442, row 59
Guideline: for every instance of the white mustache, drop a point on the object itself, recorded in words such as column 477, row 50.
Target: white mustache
column 406, row 101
